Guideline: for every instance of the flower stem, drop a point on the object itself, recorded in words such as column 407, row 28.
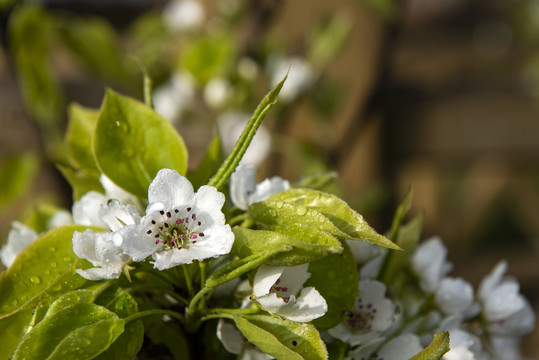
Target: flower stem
column 202, row 266
column 188, row 280
column 237, row 219
column 154, row 312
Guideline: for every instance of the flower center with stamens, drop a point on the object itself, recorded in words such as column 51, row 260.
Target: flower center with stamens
column 363, row 317
column 280, row 291
column 178, row 228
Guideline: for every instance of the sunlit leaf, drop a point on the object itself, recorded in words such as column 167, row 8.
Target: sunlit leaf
column 132, row 143
column 281, row 338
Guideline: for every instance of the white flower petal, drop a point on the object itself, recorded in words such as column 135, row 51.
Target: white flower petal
column 60, row 218
column 267, row 188
column 491, row 281
column 113, row 191
column 230, row 337
column 116, row 215
column 242, row 185
column 506, row 348
column 365, row 351
column 86, row 210
column 454, row 296
column 265, row 278
column 520, row 323
column 210, row 200
column 309, row 305
column 95, row 274
column 402, row 347
column 171, row 189
column 275, row 289
column 102, row 250
column 19, row 237
column 428, row 262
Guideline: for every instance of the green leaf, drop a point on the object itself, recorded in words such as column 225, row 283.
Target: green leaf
column 233, row 159
column 336, row 279
column 169, row 335
column 12, row 329
column 130, row 341
column 210, row 163
column 17, row 174
column 81, row 181
column 329, row 38
column 132, row 143
column 280, row 214
column 304, row 247
column 436, row 349
column 96, row 44
column 78, row 139
column 408, row 237
column 208, row 57
column 79, row 331
column 240, row 266
column 309, row 204
column 281, row 338
column 46, row 267
column 317, row 181
column 401, row 211
column 337, row 350
column 30, row 34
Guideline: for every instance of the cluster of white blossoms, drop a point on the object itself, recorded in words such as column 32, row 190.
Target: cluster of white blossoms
column 486, row 325
column 179, row 227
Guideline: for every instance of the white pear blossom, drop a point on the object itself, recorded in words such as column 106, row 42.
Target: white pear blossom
column 234, row 342
column 372, row 268
column 59, row 218
column 174, row 96
column 88, row 210
column 372, row 315
column 454, row 296
column 103, row 250
column 300, row 77
column 19, row 237
column 180, row 226
column 403, row 347
column 464, row 346
column 363, row 251
column 183, row 15
column 231, row 124
column 429, row 263
column 506, row 348
column 275, row 289
column 244, row 191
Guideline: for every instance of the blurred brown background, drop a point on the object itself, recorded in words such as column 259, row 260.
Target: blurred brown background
column 439, row 94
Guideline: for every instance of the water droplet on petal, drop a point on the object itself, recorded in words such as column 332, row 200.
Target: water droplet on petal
column 112, row 202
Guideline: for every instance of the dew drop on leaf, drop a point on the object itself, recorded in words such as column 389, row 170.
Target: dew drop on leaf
column 35, row 280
